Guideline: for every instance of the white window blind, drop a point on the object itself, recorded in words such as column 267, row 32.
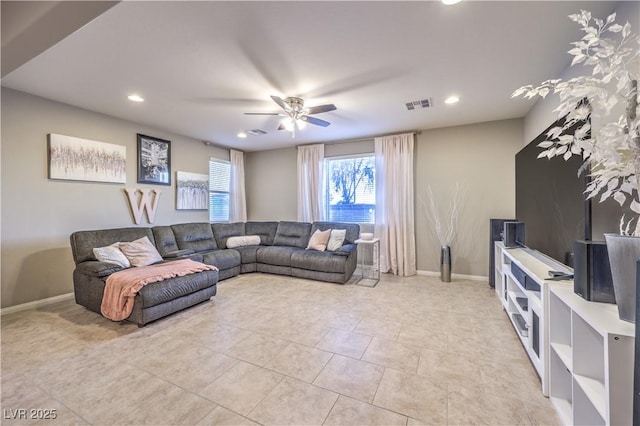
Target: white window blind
column 219, row 181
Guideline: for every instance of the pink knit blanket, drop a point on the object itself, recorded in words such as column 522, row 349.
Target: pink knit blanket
column 122, row 286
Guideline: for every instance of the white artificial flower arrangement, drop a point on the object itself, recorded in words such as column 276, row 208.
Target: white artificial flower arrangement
column 612, row 151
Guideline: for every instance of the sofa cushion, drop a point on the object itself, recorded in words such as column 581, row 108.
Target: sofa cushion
column 223, row 259
column 168, row 290
column 248, row 254
column 276, row 255
column 318, row 240
column 353, row 229
column 111, row 254
column 223, row 231
column 83, row 242
column 336, row 239
column 141, row 252
column 243, row 241
column 266, row 231
column 318, row 261
column 165, row 240
column 292, row 234
column 194, row 236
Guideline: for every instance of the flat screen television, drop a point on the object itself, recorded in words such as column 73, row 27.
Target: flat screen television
column 550, row 200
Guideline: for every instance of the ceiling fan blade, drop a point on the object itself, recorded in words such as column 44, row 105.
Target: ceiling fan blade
column 261, row 113
column 321, row 108
column 280, row 102
column 316, row 121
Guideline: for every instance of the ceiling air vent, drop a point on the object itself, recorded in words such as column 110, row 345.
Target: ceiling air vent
column 256, row 132
column 424, row 103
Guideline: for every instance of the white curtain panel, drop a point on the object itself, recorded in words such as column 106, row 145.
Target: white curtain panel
column 311, row 183
column 237, row 196
column 394, row 204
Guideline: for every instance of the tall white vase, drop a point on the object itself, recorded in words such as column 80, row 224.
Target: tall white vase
column 624, row 251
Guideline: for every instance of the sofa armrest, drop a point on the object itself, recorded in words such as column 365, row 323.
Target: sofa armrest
column 98, row 269
column 346, row 250
column 178, row 253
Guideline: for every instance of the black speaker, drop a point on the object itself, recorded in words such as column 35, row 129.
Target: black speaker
column 592, row 272
column 496, row 227
column 513, row 235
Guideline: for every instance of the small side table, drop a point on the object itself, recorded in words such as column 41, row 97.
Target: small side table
column 369, row 274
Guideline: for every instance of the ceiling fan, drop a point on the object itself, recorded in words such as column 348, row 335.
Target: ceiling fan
column 296, row 115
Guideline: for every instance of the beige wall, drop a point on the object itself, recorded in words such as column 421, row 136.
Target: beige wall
column 271, row 184
column 38, row 214
column 483, row 157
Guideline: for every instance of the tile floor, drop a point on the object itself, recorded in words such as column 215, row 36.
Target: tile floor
column 279, row 350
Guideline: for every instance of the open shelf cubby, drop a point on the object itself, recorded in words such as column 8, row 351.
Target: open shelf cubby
column 591, row 360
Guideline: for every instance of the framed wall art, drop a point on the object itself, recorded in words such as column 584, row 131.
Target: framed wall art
column 72, row 158
column 192, row 191
column 154, row 160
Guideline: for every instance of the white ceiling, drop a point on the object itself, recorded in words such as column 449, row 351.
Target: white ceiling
column 201, row 65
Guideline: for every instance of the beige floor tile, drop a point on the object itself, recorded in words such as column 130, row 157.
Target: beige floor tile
column 348, row 411
column 351, row 377
column 242, row 388
column 542, row 415
column 470, row 407
column 220, row 416
column 176, row 406
column 217, row 336
column 257, row 349
column 340, row 320
column 413, row 396
column 108, row 403
column 451, row 369
column 192, row 367
column 300, row 362
column 392, row 354
column 379, row 327
column 304, row 333
column 417, row 335
column 25, row 403
column 294, row 403
column 344, row 343
column 92, row 370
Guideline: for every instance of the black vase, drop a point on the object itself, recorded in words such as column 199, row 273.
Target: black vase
column 445, row 264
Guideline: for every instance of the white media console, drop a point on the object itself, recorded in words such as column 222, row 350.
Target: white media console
column 581, row 350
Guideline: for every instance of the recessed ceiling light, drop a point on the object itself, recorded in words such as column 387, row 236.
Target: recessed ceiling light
column 452, row 100
column 450, row 2
column 135, row 98
column 241, row 135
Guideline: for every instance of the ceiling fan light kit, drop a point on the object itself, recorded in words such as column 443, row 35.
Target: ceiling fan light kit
column 296, row 115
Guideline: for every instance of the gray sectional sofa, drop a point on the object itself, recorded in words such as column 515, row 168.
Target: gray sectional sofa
column 282, row 250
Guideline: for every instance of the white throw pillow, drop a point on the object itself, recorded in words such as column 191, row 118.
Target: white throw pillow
column 141, row 252
column 243, row 240
column 318, row 240
column 336, row 239
column 111, row 254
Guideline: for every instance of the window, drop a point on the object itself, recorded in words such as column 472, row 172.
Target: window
column 219, row 180
column 351, row 189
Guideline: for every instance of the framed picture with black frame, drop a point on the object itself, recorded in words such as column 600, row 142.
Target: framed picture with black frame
column 154, row 160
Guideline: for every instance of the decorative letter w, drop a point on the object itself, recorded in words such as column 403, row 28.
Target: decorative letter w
column 140, row 204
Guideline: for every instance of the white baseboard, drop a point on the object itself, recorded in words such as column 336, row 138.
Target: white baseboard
column 457, row 276
column 35, row 304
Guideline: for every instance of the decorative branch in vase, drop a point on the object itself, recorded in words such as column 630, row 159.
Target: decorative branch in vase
column 445, row 232
column 611, row 149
